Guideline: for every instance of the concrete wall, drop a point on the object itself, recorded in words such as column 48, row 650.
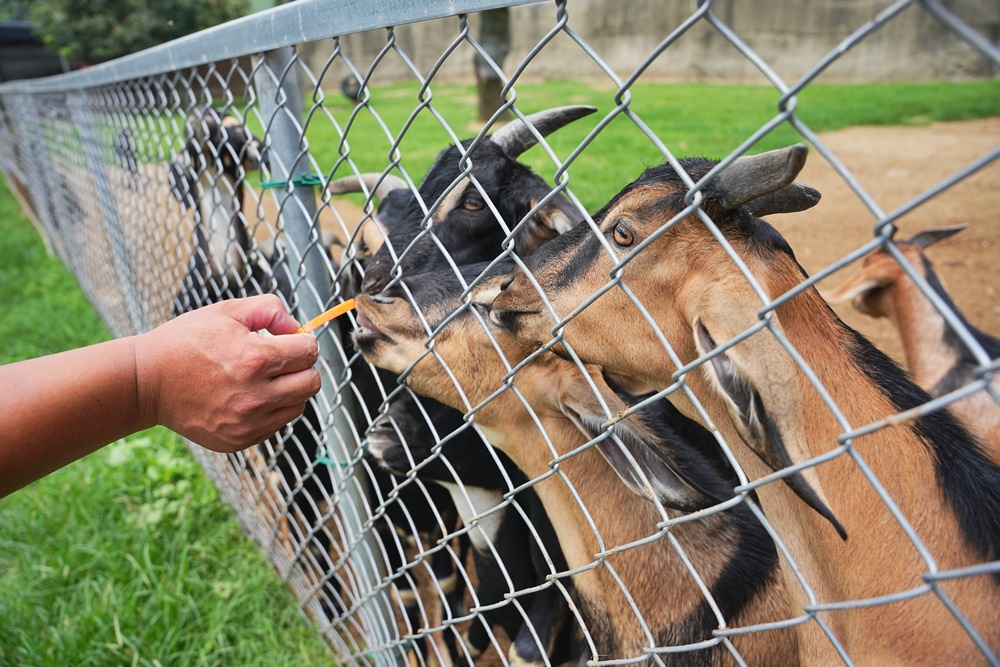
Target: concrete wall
column 791, row 35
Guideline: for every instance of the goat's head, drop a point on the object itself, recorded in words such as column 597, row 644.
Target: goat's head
column 404, row 436
column 872, row 289
column 218, row 145
column 654, row 249
column 470, row 355
column 462, row 207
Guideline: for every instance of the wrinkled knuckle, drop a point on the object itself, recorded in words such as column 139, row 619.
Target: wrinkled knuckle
column 254, row 361
column 315, row 382
column 272, row 301
column 312, row 351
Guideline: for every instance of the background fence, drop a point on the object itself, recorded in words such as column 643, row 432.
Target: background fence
column 142, row 174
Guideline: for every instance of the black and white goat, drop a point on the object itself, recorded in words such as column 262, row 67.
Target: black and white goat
column 453, row 218
column 208, row 178
column 403, row 442
column 465, row 227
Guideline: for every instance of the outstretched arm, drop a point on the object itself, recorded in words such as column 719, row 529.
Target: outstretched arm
column 205, row 375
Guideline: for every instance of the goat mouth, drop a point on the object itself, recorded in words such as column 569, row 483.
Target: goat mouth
column 388, row 453
column 366, row 334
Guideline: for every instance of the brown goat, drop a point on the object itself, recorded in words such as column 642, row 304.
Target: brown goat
column 768, row 410
column 939, row 361
column 545, row 414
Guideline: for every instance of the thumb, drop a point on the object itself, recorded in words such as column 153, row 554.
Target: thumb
column 263, row 312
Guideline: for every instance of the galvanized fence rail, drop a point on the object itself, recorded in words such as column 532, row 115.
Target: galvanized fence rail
column 219, row 166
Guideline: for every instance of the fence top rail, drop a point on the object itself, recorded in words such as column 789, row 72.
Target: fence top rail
column 293, row 23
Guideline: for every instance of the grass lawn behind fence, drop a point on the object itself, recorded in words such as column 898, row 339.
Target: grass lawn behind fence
column 128, row 557
column 690, row 119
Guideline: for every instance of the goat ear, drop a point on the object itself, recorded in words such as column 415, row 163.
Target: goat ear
column 765, row 438
column 857, row 290
column 548, row 222
column 630, row 447
column 792, row 198
column 931, row 236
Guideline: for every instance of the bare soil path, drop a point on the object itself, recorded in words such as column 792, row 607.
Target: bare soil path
column 894, row 165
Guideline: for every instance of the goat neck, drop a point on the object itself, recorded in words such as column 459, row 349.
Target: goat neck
column 699, row 299
column 938, row 359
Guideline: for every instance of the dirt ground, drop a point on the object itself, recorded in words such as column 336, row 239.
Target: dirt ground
column 894, row 165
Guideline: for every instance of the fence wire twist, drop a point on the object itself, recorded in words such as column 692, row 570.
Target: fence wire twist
column 534, row 519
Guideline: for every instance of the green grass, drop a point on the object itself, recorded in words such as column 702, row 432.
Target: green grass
column 691, row 119
column 127, row 557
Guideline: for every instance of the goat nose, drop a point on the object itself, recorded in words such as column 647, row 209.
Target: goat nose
column 506, row 282
column 372, row 284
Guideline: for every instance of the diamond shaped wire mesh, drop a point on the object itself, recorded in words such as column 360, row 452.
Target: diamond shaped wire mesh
column 545, row 511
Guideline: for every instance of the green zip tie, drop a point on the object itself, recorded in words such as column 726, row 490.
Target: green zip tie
column 344, row 464
column 331, row 462
column 307, row 180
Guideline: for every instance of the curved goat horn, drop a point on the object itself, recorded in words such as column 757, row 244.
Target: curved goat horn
column 930, row 236
column 515, row 137
column 792, row 198
column 769, row 178
column 385, row 183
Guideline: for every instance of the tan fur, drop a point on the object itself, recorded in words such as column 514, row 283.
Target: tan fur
column 653, row 575
column 684, row 277
column 882, row 289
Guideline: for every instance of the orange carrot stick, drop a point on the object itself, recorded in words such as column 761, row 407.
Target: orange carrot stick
column 333, row 313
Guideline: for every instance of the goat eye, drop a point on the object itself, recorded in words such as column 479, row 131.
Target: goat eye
column 623, row 235
column 473, row 203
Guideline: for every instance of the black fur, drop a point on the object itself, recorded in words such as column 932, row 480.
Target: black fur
column 696, row 454
column 967, row 478
column 469, row 236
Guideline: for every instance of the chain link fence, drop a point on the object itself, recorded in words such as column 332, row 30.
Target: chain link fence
column 552, row 513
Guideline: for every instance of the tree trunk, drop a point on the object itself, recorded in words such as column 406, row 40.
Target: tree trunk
column 494, row 37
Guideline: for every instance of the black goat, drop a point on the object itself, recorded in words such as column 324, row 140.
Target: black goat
column 467, row 234
column 464, row 218
column 402, row 441
column 468, row 216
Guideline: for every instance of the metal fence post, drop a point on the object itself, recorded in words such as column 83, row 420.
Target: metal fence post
column 281, row 109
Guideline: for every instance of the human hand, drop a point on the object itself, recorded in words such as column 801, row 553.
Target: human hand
column 209, row 377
